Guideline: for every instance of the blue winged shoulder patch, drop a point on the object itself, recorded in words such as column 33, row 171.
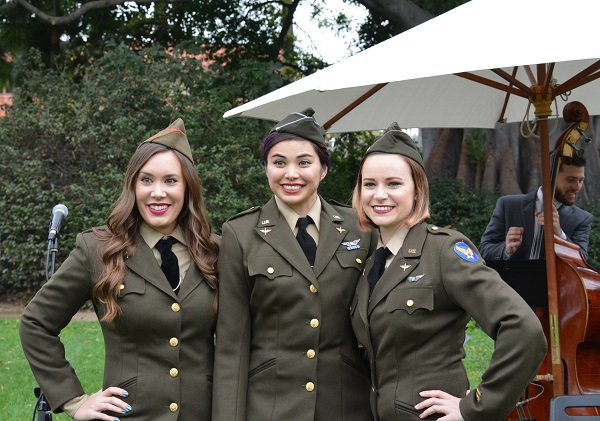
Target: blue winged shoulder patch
column 465, row 252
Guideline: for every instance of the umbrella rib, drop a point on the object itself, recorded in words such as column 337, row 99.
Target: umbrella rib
column 353, row 105
column 587, row 75
column 492, row 84
column 513, row 80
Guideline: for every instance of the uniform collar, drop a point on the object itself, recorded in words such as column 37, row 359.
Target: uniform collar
column 397, row 240
column 291, row 216
column 151, row 236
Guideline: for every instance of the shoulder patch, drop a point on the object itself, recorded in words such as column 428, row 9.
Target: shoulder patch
column 465, row 252
column 246, row 212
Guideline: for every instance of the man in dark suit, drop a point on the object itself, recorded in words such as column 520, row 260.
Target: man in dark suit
column 516, row 220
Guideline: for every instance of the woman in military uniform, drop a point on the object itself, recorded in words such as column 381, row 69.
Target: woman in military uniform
column 285, row 348
column 157, row 327
column 411, row 316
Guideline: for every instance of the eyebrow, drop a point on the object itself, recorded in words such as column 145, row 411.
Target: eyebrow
column 166, row 175
column 302, row 155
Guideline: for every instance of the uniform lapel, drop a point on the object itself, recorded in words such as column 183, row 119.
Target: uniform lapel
column 193, row 278
column 274, row 230
column 145, row 264
column 527, row 212
column 403, row 264
column 332, row 231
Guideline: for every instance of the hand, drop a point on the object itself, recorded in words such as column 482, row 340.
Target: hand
column 104, row 400
column 442, row 403
column 555, row 220
column 514, row 238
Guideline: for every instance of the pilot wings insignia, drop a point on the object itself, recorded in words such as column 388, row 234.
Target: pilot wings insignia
column 352, row 245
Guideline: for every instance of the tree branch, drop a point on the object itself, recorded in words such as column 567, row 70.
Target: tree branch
column 92, row 5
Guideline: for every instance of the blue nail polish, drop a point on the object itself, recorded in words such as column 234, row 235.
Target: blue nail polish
column 116, row 419
column 128, row 408
column 126, row 393
column 124, row 410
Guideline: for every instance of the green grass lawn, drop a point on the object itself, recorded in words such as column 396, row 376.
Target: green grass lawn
column 84, row 345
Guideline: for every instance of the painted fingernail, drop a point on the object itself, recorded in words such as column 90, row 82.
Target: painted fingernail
column 116, row 419
column 129, row 408
column 125, row 393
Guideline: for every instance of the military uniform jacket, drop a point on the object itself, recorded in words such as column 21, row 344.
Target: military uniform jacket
column 285, row 346
column 413, row 328
column 518, row 211
column 160, row 350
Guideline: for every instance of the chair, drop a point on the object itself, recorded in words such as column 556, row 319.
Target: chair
column 558, row 404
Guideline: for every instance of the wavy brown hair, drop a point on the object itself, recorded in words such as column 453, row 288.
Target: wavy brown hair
column 420, row 210
column 118, row 241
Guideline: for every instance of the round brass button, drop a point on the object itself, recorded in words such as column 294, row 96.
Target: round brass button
column 173, row 342
column 410, row 303
column 175, row 307
column 270, row 270
column 121, row 287
column 311, row 353
column 359, row 261
column 314, row 323
column 313, row 289
column 173, row 372
column 310, row 386
column 173, row 407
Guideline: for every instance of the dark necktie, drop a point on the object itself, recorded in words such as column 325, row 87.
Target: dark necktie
column 170, row 264
column 306, row 241
column 376, row 271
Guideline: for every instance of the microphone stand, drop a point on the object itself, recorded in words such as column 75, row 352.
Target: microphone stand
column 42, row 407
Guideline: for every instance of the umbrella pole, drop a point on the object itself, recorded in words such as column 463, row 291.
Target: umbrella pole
column 557, row 368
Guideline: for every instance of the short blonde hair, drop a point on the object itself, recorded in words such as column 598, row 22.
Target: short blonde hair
column 420, row 211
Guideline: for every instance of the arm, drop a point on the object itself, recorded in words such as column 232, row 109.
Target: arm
column 507, row 319
column 233, row 332
column 494, row 240
column 581, row 235
column 44, row 318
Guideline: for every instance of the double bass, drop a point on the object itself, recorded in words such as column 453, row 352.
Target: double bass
column 573, row 335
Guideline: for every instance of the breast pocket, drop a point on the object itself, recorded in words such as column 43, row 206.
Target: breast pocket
column 352, row 258
column 271, row 267
column 411, row 299
column 133, row 284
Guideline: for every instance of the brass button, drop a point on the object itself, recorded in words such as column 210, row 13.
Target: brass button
column 410, row 303
column 174, row 407
column 173, row 342
column 310, row 353
column 270, row 270
column 314, row 323
column 310, row 386
column 175, row 307
column 359, row 261
column 121, row 286
column 313, row 289
column 173, row 372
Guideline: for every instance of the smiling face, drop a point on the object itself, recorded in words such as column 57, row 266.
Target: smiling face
column 387, row 191
column 294, row 172
column 160, row 191
column 569, row 181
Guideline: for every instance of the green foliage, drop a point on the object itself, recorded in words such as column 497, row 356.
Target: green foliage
column 66, row 142
column 454, row 206
column 594, row 246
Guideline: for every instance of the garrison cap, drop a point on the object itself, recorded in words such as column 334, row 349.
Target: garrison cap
column 395, row 141
column 303, row 125
column 173, row 137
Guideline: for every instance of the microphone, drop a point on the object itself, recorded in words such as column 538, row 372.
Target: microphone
column 59, row 212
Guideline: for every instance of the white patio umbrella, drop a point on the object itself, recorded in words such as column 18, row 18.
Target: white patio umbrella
column 479, row 65
column 412, row 78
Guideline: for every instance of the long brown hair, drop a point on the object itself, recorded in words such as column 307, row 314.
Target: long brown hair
column 420, row 210
column 119, row 240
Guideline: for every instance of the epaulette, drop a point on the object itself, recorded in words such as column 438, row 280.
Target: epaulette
column 246, row 212
column 434, row 229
